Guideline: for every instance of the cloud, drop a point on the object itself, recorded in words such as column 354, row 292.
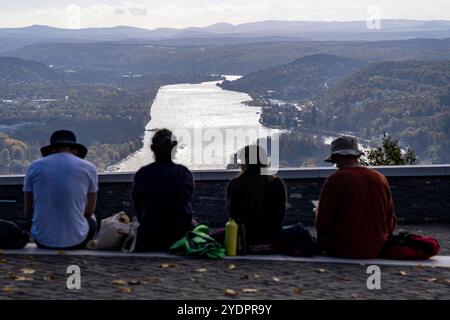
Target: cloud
column 138, row 11
column 120, row 11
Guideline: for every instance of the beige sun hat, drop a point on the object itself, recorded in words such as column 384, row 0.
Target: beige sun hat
column 344, row 146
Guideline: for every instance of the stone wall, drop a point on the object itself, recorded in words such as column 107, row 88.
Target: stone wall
column 421, row 194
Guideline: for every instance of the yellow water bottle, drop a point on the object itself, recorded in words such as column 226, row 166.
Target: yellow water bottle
column 231, row 235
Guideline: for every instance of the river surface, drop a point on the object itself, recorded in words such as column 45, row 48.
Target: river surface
column 206, row 120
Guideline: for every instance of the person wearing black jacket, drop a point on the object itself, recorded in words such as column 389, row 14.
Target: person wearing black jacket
column 162, row 197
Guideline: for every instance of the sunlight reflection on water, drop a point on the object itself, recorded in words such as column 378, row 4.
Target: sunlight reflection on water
column 205, row 105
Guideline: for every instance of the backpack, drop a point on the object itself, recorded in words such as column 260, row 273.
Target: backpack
column 12, row 236
column 407, row 246
column 199, row 244
column 297, row 241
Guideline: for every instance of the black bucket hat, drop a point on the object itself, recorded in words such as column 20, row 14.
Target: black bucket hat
column 64, row 138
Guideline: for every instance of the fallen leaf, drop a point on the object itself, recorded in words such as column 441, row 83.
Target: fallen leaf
column 202, row 270
column 249, row 290
column 61, row 252
column 119, row 282
column 230, row 293
column 321, row 270
column 31, row 259
column 298, row 290
column 347, row 279
column 231, row 267
column 276, row 279
column 21, row 278
column 431, row 279
column 403, row 273
column 420, row 266
column 8, row 289
column 27, row 271
column 257, row 276
column 448, row 281
column 354, row 296
column 51, row 276
column 167, row 265
column 125, row 290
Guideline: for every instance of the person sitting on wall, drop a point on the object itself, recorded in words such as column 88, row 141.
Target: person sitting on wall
column 257, row 200
column 356, row 213
column 60, row 194
column 162, row 197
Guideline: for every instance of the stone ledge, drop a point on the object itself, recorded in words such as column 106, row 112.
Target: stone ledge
column 286, row 173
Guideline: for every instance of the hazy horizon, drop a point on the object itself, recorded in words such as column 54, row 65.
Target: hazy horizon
column 214, row 23
column 153, row 14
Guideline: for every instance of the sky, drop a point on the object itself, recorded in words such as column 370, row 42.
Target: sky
column 151, row 14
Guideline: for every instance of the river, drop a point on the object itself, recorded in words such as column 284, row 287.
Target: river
column 199, row 108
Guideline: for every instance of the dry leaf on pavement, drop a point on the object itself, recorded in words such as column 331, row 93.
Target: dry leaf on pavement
column 136, row 282
column 249, row 290
column 125, row 290
column 27, row 271
column 167, row 265
column 230, row 293
column 20, row 278
column 403, row 273
column 202, row 270
column 347, row 279
column 119, row 282
column 276, row 279
column 231, row 267
column 298, row 290
column 51, row 276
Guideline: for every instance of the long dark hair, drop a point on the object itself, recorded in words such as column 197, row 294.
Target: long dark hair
column 249, row 188
column 163, row 143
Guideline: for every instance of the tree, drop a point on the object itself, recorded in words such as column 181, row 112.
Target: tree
column 389, row 154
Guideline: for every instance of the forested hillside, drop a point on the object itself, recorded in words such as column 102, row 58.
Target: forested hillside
column 302, row 79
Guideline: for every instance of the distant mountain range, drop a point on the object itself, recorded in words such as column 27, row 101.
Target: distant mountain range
column 11, row 38
column 242, row 58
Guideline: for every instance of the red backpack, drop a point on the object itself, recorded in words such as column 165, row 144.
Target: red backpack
column 406, row 246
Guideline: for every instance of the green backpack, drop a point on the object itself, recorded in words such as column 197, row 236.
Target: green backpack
column 197, row 243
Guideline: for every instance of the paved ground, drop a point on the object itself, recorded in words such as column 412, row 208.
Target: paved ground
column 44, row 277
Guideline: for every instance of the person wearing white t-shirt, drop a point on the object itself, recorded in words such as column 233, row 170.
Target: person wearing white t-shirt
column 61, row 193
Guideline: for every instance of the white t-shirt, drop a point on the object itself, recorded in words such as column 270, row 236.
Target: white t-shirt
column 60, row 183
